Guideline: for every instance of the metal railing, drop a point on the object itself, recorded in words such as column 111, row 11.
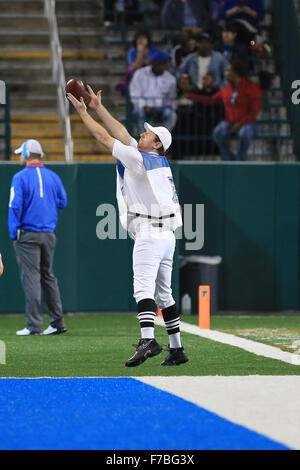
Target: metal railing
column 58, row 76
column 4, row 121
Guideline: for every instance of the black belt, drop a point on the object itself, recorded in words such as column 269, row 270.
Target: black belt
column 136, row 214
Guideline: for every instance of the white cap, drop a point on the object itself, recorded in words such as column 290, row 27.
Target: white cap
column 30, row 146
column 161, row 132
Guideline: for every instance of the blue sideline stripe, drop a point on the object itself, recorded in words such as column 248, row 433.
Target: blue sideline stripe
column 112, row 413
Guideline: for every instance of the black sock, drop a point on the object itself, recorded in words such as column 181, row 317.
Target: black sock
column 146, row 313
column 171, row 319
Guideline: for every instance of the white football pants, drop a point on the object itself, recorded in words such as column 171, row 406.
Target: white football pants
column 152, row 266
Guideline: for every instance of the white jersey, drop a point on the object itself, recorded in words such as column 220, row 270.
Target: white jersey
column 145, row 186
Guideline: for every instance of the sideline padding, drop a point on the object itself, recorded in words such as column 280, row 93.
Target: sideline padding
column 110, row 414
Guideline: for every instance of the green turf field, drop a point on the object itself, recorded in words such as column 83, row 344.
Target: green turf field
column 99, row 345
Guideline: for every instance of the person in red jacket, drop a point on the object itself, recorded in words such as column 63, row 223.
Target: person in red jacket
column 242, row 101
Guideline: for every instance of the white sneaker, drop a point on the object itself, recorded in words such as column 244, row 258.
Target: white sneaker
column 54, row 331
column 26, row 332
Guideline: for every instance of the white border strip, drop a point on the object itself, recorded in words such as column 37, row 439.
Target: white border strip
column 259, row 349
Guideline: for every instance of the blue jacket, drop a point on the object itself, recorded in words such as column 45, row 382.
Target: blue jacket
column 36, row 194
column 217, row 65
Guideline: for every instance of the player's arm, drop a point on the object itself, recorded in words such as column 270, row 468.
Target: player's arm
column 1, row 266
column 115, row 128
column 208, row 100
column 129, row 156
column 15, row 207
column 62, row 198
column 94, row 127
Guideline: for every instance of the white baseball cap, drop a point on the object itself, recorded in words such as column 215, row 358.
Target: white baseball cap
column 30, row 146
column 161, row 132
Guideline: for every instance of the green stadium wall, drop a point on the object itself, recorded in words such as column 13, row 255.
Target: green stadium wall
column 251, row 221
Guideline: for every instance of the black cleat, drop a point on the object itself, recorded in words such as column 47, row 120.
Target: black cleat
column 175, row 357
column 146, row 348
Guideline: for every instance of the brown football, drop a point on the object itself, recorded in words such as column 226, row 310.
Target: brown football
column 77, row 88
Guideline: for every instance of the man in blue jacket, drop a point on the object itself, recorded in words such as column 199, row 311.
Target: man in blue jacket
column 197, row 64
column 36, row 194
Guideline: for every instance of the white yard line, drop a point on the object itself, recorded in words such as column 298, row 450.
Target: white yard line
column 259, row 349
column 266, row 404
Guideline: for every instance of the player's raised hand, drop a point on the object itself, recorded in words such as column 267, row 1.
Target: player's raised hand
column 1, row 266
column 95, row 98
column 78, row 105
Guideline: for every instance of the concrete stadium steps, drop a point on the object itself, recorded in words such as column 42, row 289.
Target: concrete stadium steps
column 25, row 66
column 18, row 22
column 17, row 39
column 79, row 7
column 81, row 39
column 45, row 128
column 37, row 133
column 96, row 72
column 33, row 103
column 12, row 69
column 79, row 20
column 88, row 57
column 37, row 56
column 34, row 88
column 86, row 147
column 25, row 7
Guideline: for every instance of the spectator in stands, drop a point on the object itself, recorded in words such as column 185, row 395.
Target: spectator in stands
column 178, row 13
column 242, row 100
column 153, row 91
column 188, row 45
column 141, row 52
column 196, row 119
column 138, row 56
column 209, row 87
column 229, row 45
column 205, row 60
column 248, row 14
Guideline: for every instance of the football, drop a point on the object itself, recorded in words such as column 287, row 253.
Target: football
column 77, row 88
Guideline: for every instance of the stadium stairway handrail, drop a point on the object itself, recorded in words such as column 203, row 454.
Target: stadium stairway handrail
column 58, row 75
column 5, row 103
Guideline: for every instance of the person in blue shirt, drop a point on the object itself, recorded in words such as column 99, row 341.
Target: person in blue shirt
column 138, row 56
column 36, row 195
